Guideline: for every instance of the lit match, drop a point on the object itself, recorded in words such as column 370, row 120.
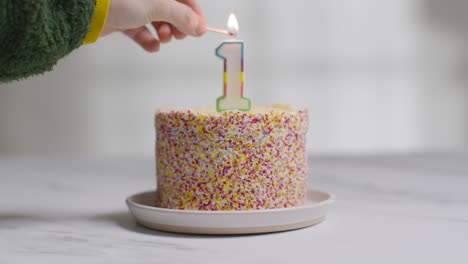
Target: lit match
column 220, row 31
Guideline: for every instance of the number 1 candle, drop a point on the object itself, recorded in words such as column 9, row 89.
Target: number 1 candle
column 232, row 54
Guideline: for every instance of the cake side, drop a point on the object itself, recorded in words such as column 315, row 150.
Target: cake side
column 231, row 160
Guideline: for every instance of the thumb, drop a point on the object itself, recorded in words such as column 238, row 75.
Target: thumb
column 179, row 15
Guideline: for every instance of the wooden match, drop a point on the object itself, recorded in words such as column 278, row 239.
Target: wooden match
column 220, row 31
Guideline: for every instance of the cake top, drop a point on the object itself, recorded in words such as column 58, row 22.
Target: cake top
column 277, row 108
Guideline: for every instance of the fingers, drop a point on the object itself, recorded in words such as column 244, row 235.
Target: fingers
column 177, row 33
column 164, row 31
column 194, row 5
column 144, row 38
column 182, row 16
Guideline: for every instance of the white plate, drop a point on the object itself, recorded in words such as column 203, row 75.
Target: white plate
column 142, row 206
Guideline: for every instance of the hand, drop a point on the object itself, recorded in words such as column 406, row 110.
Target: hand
column 177, row 18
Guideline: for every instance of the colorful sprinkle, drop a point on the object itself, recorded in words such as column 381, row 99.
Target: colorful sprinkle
column 231, row 160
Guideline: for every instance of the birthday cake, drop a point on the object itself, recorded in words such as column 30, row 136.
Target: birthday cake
column 231, row 160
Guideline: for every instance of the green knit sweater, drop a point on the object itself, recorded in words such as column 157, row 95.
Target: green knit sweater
column 35, row 34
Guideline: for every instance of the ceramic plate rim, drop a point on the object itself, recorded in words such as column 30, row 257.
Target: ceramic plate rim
column 330, row 198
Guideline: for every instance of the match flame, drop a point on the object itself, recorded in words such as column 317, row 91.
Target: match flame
column 233, row 26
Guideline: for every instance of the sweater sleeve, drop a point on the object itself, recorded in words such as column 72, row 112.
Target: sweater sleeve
column 35, row 34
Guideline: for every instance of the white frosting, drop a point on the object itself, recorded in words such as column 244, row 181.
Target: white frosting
column 255, row 109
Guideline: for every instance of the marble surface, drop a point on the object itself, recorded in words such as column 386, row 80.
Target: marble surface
column 389, row 209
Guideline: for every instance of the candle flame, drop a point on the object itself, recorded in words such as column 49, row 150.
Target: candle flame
column 233, row 26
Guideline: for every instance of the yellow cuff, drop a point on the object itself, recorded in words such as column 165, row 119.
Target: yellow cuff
column 99, row 20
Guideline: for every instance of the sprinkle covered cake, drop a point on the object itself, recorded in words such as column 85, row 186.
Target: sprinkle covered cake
column 209, row 160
